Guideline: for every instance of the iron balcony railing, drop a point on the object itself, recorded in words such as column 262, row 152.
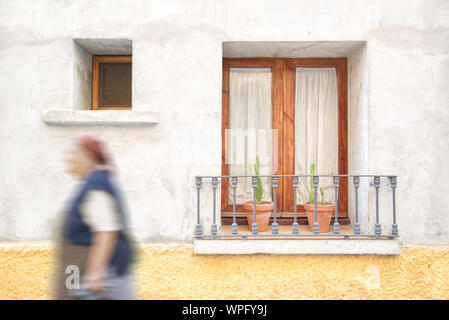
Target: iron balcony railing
column 375, row 181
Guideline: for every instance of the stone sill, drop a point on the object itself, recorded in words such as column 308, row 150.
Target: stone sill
column 297, row 246
column 99, row 117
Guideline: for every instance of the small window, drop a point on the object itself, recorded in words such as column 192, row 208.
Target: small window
column 111, row 82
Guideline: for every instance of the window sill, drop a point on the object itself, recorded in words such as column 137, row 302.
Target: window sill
column 328, row 247
column 99, row 117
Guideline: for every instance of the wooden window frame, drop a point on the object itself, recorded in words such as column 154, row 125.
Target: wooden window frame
column 96, row 60
column 283, row 107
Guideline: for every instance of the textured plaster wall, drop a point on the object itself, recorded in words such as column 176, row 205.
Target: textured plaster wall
column 358, row 139
column 177, row 52
column 82, row 94
column 174, row 272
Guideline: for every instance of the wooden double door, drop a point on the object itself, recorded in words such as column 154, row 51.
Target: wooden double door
column 283, row 86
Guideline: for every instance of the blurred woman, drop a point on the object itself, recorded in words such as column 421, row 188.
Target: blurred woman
column 94, row 242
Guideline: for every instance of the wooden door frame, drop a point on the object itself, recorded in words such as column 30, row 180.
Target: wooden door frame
column 277, row 66
column 283, row 106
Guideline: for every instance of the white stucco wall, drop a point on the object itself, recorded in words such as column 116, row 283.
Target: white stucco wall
column 358, row 139
column 177, row 52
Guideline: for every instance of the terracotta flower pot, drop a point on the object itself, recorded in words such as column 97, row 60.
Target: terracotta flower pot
column 263, row 214
column 324, row 213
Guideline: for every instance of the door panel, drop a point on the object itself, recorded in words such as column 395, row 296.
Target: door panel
column 340, row 157
column 316, row 128
column 250, row 124
column 248, row 78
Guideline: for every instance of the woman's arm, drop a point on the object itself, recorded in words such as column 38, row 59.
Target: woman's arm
column 103, row 244
column 99, row 213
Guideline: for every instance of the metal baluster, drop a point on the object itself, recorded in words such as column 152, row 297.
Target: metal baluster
column 198, row 230
column 234, row 224
column 394, row 227
column 254, row 228
column 295, row 225
column 214, row 187
column 377, row 185
column 316, row 227
column 336, row 185
column 356, row 186
column 274, row 225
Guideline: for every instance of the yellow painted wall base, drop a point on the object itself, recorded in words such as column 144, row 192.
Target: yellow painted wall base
column 174, row 272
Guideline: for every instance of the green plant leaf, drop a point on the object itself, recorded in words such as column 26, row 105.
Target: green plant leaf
column 312, row 189
column 259, row 190
column 312, row 168
column 257, row 165
column 312, row 197
column 322, row 195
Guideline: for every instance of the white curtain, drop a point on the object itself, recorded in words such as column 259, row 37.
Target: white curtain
column 316, row 127
column 250, row 123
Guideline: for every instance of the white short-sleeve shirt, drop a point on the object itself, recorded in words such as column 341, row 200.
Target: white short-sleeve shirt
column 99, row 212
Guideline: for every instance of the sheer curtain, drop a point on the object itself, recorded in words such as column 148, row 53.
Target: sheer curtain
column 250, row 121
column 316, row 127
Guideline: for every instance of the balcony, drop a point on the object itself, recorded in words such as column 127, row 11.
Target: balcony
column 296, row 238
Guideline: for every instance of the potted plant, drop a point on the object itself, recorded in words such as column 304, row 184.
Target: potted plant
column 263, row 208
column 324, row 209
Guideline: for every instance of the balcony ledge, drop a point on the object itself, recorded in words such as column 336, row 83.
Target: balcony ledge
column 64, row 117
column 297, row 246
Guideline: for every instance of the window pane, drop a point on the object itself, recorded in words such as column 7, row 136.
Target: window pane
column 250, row 123
column 114, row 85
column 316, row 127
